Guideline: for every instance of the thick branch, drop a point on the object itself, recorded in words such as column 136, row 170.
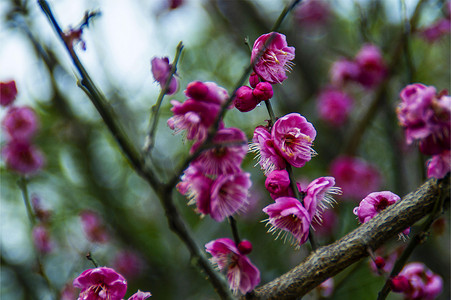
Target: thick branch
column 330, row 260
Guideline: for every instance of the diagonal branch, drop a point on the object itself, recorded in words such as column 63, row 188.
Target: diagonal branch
column 330, row 260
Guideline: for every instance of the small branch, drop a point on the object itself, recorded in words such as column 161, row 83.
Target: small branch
column 272, row 116
column 91, row 258
column 330, row 260
column 236, row 236
column 22, row 183
column 150, row 138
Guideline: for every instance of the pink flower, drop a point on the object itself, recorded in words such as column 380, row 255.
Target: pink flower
column 437, row 30
column 372, row 69
column 272, row 65
column 140, row 295
column 161, row 70
column 288, row 215
column 93, row 227
column 318, row 196
column 312, row 13
column 21, row 123
column 334, row 106
column 100, row 283
column 223, row 159
column 342, row 71
column 229, row 195
column 263, row 91
column 196, row 186
column 389, row 261
column 8, row 92
column 422, row 283
column 426, row 117
column 128, row 263
column 253, row 80
column 23, row 157
column 439, row 165
column 245, row 100
column 241, row 274
column 41, row 239
column 373, row 204
column 278, row 184
column 356, row 177
column 267, row 156
column 208, row 92
column 293, row 138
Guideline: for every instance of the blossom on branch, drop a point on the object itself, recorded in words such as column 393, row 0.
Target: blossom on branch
column 276, row 58
column 8, row 93
column 100, row 283
column 241, row 274
column 439, row 165
column 318, row 196
column 21, row 123
column 161, row 69
column 22, row 157
column 267, row 155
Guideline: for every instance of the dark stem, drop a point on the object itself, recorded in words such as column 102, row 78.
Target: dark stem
column 91, row 258
column 150, row 138
column 270, row 112
column 22, row 183
column 234, row 228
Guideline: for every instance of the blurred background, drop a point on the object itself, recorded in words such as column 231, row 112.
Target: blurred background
column 86, row 180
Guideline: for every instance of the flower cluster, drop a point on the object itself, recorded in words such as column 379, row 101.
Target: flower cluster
column 214, row 181
column 161, row 69
column 373, row 204
column 289, row 141
column 439, row 28
column 355, row 176
column 21, row 125
column 288, row 214
column 104, row 283
column 426, row 118
column 417, row 282
column 241, row 274
column 367, row 68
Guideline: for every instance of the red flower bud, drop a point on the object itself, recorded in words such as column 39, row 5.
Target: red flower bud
column 245, row 101
column 254, row 80
column 245, row 247
column 380, row 262
column 263, row 91
column 399, row 284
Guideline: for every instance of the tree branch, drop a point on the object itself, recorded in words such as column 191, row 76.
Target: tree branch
column 330, row 260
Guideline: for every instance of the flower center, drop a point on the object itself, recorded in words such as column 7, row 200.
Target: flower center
column 383, row 203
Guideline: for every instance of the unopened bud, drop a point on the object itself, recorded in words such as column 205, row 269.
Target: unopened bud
column 245, row 101
column 245, row 247
column 263, row 91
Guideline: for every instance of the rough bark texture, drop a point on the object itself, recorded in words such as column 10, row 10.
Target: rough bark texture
column 329, row 260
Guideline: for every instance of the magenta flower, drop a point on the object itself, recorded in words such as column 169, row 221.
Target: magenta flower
column 437, row 30
column 229, row 194
column 208, row 92
column 93, row 227
column 241, row 274
column 334, row 106
column 140, row 295
column 21, row 123
column 42, row 240
column 293, row 138
column 263, row 91
column 343, row 71
column 23, row 157
column 426, row 117
column 372, row 68
column 439, row 165
column 272, row 65
column 318, row 196
column 196, row 186
column 161, row 70
column 422, row 283
column 355, row 176
column 245, row 100
column 289, row 216
column 223, row 159
column 267, row 156
column 278, row 184
column 373, row 204
column 253, row 80
column 100, row 283
column 8, row 92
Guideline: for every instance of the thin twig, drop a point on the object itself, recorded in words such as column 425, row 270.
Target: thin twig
column 236, row 236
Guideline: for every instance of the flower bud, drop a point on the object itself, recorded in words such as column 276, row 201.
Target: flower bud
column 245, row 247
column 245, row 101
column 263, row 91
column 254, row 80
column 380, row 262
column 399, row 284
column 196, row 90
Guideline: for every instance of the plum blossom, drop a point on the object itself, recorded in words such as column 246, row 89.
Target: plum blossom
column 439, row 165
column 275, row 60
column 288, row 215
column 23, row 157
column 343, row 71
column 21, row 123
column 139, row 295
column 100, row 283
column 417, row 282
column 267, row 156
column 93, row 227
column 278, row 184
column 425, row 117
column 372, row 68
column 437, row 30
column 241, row 274
column 245, row 100
column 161, row 69
column 41, row 239
column 293, row 138
column 355, row 176
column 318, row 196
column 223, row 159
column 263, row 91
column 334, row 106
column 8, row 93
